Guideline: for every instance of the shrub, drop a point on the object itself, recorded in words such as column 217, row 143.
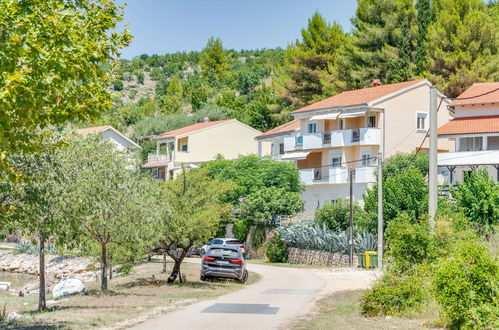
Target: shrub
column 275, row 249
column 466, row 286
column 336, row 215
column 408, row 243
column 394, row 295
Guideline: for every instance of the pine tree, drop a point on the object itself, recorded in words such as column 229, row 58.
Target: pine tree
column 383, row 40
column 464, row 43
column 423, row 19
column 214, row 61
column 308, row 73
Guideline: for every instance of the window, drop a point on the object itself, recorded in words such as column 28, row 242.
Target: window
column 471, row 143
column 333, row 201
column 341, row 123
column 421, row 121
column 371, row 121
column 336, row 162
column 184, row 147
column 281, row 148
column 312, row 128
column 366, row 160
column 317, row 174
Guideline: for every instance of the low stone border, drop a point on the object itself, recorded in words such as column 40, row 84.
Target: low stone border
column 320, row 258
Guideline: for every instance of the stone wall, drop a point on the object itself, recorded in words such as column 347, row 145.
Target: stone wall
column 320, row 258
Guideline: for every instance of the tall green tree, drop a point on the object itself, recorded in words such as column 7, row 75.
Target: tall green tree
column 423, row 20
column 464, row 39
column 214, row 61
column 57, row 63
column 171, row 102
column 310, row 63
column 383, row 42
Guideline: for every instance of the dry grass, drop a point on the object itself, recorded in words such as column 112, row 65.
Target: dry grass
column 130, row 298
column 341, row 310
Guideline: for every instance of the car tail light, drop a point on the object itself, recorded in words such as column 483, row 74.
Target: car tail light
column 237, row 261
column 242, row 246
column 206, row 258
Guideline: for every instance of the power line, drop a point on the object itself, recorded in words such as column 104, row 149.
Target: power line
column 472, row 97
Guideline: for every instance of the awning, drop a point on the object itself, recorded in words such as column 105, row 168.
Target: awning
column 331, row 115
column 295, row 155
column 351, row 114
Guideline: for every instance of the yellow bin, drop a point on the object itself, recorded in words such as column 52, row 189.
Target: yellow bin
column 368, row 258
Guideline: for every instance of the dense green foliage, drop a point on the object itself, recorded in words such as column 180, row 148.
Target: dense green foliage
column 336, row 216
column 51, row 67
column 467, row 286
column 478, row 196
column 275, row 249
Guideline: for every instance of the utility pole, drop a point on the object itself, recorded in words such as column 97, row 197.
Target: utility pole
column 380, row 212
column 350, row 234
column 432, row 177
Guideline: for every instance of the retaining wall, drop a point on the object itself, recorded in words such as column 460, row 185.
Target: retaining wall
column 320, row 258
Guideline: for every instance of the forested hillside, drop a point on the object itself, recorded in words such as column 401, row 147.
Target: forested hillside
column 453, row 43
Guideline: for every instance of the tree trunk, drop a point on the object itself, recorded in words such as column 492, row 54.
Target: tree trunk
column 42, row 304
column 175, row 272
column 110, row 267
column 164, row 262
column 103, row 261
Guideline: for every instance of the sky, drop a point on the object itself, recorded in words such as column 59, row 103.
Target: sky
column 166, row 26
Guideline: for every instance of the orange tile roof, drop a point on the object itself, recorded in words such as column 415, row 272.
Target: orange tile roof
column 470, row 125
column 491, row 88
column 358, row 96
column 155, row 164
column 286, row 128
column 190, row 129
column 92, row 130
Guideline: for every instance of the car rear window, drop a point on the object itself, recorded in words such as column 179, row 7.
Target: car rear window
column 233, row 241
column 224, row 252
column 216, row 241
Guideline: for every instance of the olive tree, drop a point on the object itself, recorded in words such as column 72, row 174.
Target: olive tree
column 191, row 210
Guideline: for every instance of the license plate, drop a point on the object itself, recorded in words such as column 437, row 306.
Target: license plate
column 222, row 262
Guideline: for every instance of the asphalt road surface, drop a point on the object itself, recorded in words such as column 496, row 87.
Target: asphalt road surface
column 278, row 297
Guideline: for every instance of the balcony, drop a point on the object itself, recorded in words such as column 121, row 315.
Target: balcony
column 337, row 175
column 154, row 157
column 338, row 138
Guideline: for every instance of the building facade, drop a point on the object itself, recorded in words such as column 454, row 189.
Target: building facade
column 344, row 135
column 112, row 135
column 192, row 145
column 474, row 130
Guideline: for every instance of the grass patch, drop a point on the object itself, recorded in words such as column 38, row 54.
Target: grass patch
column 341, row 310
column 129, row 297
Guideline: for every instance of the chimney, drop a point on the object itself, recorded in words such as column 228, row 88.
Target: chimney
column 206, row 120
column 376, row 82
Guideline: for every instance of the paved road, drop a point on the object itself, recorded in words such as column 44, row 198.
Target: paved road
column 279, row 296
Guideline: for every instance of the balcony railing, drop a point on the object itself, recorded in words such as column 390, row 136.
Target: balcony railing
column 154, row 157
column 337, row 175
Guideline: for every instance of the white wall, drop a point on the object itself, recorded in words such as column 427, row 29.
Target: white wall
column 477, row 110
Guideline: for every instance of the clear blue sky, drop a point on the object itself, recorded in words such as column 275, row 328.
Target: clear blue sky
column 165, row 26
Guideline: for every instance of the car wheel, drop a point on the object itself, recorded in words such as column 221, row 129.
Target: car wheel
column 203, row 278
column 244, row 278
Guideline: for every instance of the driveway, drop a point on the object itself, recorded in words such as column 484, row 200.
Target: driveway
column 281, row 295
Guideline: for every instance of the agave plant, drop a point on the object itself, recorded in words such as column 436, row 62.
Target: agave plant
column 316, row 237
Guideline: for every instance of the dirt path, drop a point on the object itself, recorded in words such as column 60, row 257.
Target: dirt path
column 279, row 297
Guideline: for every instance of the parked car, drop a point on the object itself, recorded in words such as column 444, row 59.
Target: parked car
column 224, row 261
column 225, row 242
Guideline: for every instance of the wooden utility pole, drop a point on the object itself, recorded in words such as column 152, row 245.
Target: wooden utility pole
column 380, row 212
column 350, row 234
column 432, row 175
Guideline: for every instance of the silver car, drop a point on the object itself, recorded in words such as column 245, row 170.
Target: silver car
column 222, row 261
column 223, row 241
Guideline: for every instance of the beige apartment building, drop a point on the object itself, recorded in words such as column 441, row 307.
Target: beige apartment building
column 348, row 131
column 192, row 145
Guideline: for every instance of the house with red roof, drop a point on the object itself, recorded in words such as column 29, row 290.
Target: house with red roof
column 348, row 131
column 474, row 130
column 192, row 145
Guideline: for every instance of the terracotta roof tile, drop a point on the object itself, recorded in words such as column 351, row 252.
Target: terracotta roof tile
column 470, row 125
column 92, row 130
column 478, row 89
column 190, row 129
column 286, row 128
column 358, row 96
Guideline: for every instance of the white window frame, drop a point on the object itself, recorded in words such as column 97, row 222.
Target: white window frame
column 477, row 143
column 283, row 151
column 368, row 122
column 312, row 124
column 333, row 164
column 425, row 117
column 341, row 123
column 366, row 156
